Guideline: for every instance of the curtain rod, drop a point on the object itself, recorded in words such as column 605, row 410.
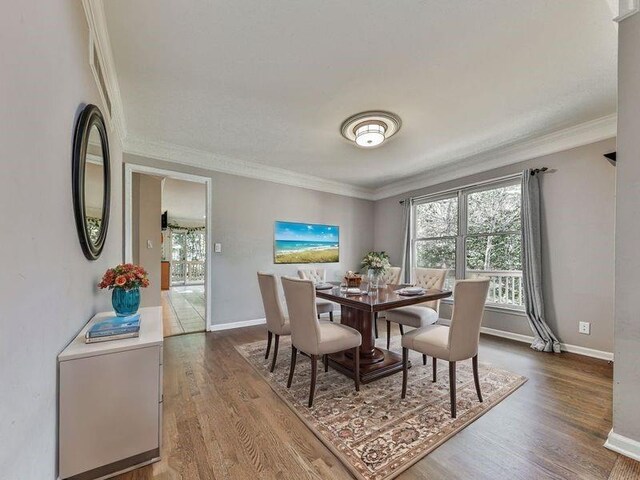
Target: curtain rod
column 476, row 184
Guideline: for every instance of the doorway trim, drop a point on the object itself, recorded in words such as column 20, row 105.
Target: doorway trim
column 129, row 170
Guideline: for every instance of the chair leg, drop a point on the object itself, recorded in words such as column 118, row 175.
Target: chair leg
column 314, row 374
column 356, row 360
column 294, row 354
column 452, row 387
column 331, row 316
column 401, row 329
column 269, row 336
column 476, row 379
column 275, row 353
column 405, row 371
column 375, row 323
column 388, row 334
column 424, row 359
column 435, row 369
column 325, row 360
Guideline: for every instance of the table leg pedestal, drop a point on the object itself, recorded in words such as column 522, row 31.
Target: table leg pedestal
column 375, row 362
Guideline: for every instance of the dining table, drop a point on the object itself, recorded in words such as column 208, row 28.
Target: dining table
column 360, row 311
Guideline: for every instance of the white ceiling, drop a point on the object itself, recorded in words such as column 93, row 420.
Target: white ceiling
column 184, row 200
column 271, row 82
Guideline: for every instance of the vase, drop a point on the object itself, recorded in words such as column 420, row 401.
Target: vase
column 125, row 302
column 374, row 279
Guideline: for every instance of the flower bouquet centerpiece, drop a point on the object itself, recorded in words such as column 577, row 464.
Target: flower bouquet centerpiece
column 125, row 280
column 376, row 263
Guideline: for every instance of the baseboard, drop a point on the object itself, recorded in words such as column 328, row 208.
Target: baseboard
column 566, row 347
column 245, row 323
column 229, row 326
column 587, row 352
column 623, row 445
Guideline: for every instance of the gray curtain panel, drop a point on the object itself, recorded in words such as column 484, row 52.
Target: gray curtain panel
column 545, row 340
column 406, row 245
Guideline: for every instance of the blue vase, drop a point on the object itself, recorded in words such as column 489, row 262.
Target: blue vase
column 125, row 302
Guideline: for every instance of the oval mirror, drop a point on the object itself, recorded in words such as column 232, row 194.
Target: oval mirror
column 91, row 181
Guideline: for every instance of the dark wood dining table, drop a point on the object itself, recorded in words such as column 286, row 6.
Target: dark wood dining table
column 359, row 312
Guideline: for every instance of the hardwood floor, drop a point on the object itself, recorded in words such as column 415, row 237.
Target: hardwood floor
column 222, row 421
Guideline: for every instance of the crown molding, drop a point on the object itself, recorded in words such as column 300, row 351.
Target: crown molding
column 99, row 35
column 583, row 134
column 219, row 163
column 626, row 9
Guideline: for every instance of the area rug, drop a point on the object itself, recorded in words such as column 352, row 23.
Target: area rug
column 374, row 433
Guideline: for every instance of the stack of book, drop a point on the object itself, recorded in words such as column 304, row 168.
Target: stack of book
column 114, row 328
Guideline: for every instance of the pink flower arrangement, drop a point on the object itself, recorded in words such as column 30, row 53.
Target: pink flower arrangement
column 126, row 276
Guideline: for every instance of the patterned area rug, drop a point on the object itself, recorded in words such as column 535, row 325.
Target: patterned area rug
column 375, row 433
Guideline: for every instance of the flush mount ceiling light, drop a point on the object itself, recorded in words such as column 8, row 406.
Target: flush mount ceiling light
column 370, row 129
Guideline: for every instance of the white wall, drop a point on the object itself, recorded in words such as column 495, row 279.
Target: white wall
column 146, row 220
column 626, row 372
column 578, row 198
column 47, row 287
column 243, row 214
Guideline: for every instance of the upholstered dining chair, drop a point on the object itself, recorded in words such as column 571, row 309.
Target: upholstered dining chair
column 318, row 275
column 313, row 337
column 457, row 342
column 277, row 323
column 390, row 277
column 423, row 314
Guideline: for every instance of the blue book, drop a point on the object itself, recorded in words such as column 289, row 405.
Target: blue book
column 115, row 326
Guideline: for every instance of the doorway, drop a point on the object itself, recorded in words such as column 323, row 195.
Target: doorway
column 186, row 247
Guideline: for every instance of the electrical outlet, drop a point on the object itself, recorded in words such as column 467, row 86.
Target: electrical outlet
column 217, row 247
column 584, row 328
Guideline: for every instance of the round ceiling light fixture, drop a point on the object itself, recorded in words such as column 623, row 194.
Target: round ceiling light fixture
column 370, row 129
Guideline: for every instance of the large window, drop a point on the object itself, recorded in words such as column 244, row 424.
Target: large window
column 474, row 232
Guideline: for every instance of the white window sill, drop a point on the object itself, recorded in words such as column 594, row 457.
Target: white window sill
column 496, row 308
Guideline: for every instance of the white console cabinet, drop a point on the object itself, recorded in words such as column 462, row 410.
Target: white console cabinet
column 110, row 401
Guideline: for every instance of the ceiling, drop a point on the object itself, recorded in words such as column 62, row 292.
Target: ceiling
column 271, row 82
column 184, row 200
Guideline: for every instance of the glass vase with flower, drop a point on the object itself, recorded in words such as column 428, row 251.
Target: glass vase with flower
column 376, row 263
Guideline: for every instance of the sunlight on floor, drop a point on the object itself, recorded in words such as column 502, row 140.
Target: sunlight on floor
column 183, row 310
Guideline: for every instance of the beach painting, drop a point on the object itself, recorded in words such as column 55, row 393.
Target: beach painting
column 306, row 243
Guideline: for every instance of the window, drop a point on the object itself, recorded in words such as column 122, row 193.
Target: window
column 474, row 232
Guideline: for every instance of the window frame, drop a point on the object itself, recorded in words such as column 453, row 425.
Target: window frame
column 462, row 193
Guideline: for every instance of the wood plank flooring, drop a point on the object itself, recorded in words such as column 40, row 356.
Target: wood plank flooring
column 222, row 421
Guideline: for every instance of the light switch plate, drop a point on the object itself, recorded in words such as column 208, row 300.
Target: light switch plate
column 217, row 247
column 149, row 244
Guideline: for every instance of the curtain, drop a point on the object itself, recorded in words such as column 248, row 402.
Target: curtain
column 406, row 245
column 545, row 340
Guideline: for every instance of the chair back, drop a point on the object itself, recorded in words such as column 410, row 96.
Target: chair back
column 468, row 307
column 271, row 301
column 392, row 276
column 317, row 275
column 429, row 278
column 303, row 316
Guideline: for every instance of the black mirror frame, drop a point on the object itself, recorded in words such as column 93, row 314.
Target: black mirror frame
column 89, row 117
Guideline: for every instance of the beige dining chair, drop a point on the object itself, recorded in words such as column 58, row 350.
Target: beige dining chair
column 277, row 323
column 318, row 275
column 390, row 277
column 314, row 337
column 457, row 342
column 422, row 314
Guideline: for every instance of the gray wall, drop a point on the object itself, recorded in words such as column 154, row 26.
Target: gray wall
column 146, row 193
column 578, row 233
column 244, row 211
column 47, row 287
column 626, row 385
